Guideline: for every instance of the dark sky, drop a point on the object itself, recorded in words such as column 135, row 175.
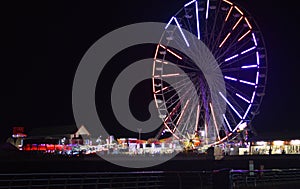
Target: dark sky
column 46, row 41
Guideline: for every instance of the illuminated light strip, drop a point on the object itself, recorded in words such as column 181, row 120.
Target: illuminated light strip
column 257, row 58
column 237, row 113
column 238, row 125
column 161, row 90
column 157, row 47
column 215, row 122
column 228, row 13
column 252, row 48
column 169, row 22
column 198, row 24
column 189, row 3
column 167, row 75
column 207, row 7
column 206, row 129
column 239, row 10
column 227, row 123
column 230, row 58
column 230, row 78
column 187, row 43
column 228, row 2
column 224, row 40
column 247, row 82
column 253, row 96
column 254, row 39
column 162, row 46
column 197, row 118
column 170, row 75
column 257, row 78
column 187, row 102
column 244, row 35
column 234, row 56
column 237, row 23
column 154, row 62
column 171, row 130
column 248, row 23
column 174, row 54
column 243, row 98
column 247, row 111
column 249, row 66
column 163, row 62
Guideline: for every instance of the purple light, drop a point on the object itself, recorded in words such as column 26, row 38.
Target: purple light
column 237, row 113
column 198, row 24
column 247, row 111
column 247, row 82
column 207, row 7
column 257, row 58
column 249, row 66
column 189, row 3
column 169, row 22
column 227, row 123
column 244, row 52
column 254, row 39
column 257, row 76
column 253, row 95
column 243, row 98
column 187, row 43
column 231, row 57
column 230, row 78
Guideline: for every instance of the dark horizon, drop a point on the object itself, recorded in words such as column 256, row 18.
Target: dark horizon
column 47, row 40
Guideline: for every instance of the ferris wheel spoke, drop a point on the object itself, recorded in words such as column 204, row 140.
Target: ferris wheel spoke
column 191, row 112
column 214, row 26
column 184, row 99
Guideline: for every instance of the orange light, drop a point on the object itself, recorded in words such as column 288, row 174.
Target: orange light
column 224, row 40
column 248, row 23
column 228, row 13
column 239, row 10
column 237, row 23
column 228, row 2
column 174, row 54
column 244, row 35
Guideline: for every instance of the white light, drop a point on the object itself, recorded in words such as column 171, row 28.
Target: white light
column 261, row 143
column 230, row 78
column 257, row 58
column 247, row 111
column 257, row 78
column 230, row 58
column 169, row 22
column 254, row 39
column 243, row 126
column 189, row 3
column 248, row 50
column 249, row 66
column 198, row 24
column 187, row 43
column 207, row 7
column 295, row 142
column 247, row 82
column 227, row 123
column 278, row 142
column 230, row 105
column 243, row 98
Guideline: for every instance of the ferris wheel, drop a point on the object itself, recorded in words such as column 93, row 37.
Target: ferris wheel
column 209, row 71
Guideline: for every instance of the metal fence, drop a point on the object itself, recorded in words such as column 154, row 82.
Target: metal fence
column 233, row 179
column 271, row 178
column 128, row 180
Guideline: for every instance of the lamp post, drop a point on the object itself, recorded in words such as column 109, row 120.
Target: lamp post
column 139, row 130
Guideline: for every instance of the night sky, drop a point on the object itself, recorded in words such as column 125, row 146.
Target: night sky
column 46, row 41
